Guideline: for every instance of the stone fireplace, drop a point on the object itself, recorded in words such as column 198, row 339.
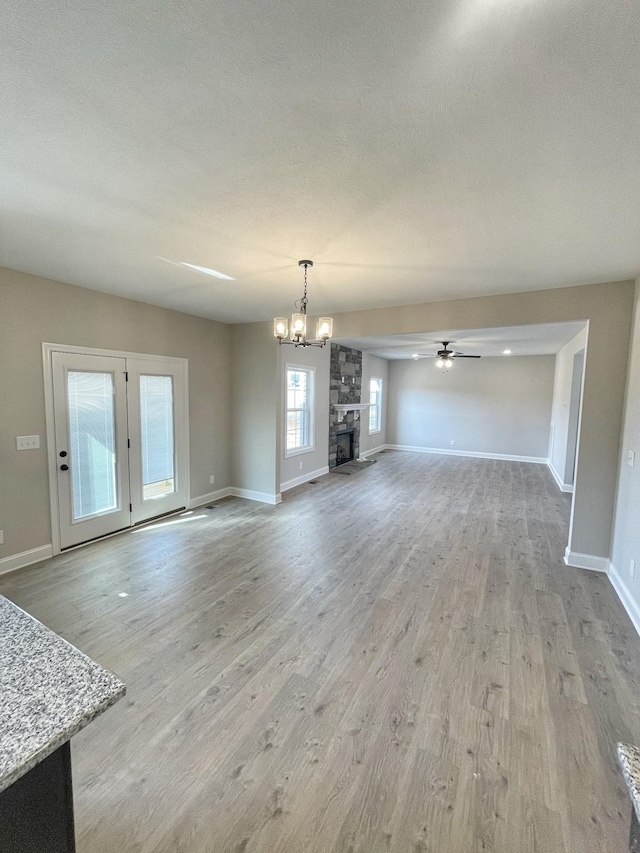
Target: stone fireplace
column 346, row 388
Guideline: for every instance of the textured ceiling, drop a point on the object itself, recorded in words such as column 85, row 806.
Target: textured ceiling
column 538, row 339
column 415, row 151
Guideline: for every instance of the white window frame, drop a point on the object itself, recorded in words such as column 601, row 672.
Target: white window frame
column 311, row 399
column 373, row 406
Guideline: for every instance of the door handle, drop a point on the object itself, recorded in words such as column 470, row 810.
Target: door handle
column 64, row 467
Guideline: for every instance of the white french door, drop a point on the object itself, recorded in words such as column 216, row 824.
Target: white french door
column 90, row 411
column 120, row 436
column 158, row 451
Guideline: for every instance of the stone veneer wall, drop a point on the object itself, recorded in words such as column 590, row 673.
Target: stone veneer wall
column 348, row 363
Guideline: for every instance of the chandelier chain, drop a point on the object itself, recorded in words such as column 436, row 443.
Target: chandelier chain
column 303, row 303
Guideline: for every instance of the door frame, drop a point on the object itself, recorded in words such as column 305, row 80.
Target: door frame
column 52, row 462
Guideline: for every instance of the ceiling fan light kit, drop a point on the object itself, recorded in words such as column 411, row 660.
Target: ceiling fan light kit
column 296, row 331
column 444, row 357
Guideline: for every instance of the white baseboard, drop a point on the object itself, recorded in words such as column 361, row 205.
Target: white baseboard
column 25, row 558
column 564, row 487
column 261, row 497
column 210, row 497
column 586, row 561
column 541, row 460
column 303, row 478
column 628, row 601
column 374, row 450
column 233, row 492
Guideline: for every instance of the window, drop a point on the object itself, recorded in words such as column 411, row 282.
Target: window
column 375, row 404
column 299, row 414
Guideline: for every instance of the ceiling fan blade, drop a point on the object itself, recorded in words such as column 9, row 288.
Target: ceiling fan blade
column 462, row 355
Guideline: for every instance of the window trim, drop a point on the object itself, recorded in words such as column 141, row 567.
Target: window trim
column 311, row 379
column 379, row 406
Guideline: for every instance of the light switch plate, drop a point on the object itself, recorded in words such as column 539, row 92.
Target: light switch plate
column 631, row 458
column 27, row 442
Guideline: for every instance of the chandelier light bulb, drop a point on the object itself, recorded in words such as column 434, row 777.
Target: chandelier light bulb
column 280, row 327
column 298, row 326
column 439, row 363
column 324, row 329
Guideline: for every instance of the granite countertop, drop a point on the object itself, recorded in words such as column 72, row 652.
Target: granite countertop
column 629, row 758
column 49, row 691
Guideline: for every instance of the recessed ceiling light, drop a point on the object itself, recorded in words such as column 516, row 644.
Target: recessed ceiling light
column 506, row 352
column 207, row 271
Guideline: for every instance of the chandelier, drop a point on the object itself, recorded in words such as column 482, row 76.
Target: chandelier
column 297, row 330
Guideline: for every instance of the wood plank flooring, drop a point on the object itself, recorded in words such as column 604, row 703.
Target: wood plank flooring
column 393, row 662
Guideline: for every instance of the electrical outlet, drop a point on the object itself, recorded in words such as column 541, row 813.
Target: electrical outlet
column 212, row 478
column 453, row 444
column 1, row 537
column 27, row 442
column 632, row 568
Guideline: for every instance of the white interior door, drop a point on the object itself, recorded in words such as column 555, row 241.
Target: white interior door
column 158, row 437
column 92, row 463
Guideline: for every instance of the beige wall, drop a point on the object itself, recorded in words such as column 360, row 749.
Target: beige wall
column 255, row 403
column 36, row 310
column 626, row 536
column 379, row 367
column 489, row 405
column 608, row 307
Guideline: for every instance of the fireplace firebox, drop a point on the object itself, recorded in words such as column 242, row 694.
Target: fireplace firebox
column 344, row 446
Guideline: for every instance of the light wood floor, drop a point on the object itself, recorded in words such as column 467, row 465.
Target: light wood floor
column 392, row 662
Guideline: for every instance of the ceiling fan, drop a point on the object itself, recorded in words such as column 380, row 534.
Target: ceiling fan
column 444, row 356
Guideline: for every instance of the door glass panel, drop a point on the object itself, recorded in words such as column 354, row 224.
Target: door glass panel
column 156, row 420
column 92, row 449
